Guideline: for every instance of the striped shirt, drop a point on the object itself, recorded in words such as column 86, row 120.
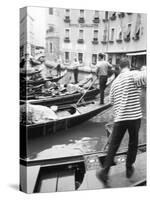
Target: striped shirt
column 125, row 95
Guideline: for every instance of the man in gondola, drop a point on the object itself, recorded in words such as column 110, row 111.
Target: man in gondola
column 102, row 74
column 125, row 98
column 42, row 67
column 25, row 61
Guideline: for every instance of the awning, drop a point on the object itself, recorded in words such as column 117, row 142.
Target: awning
column 136, row 53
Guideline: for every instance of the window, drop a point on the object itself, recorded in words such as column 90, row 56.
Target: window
column 105, row 17
column 66, row 57
column 81, row 13
column 104, row 41
column 112, row 34
column 96, row 17
column 67, row 12
column 136, row 35
column 50, row 11
column 67, row 16
column 119, row 35
column 80, row 40
column 81, row 18
column 51, row 47
column 96, row 34
column 96, row 13
column 80, row 34
column 127, row 33
column 129, row 27
column 118, row 57
column 80, row 57
column 105, row 35
column 67, row 35
column 94, row 59
column 95, row 37
column 110, row 59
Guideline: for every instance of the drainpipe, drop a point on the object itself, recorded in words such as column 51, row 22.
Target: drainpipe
column 108, row 27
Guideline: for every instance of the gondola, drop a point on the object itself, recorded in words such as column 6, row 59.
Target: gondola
column 76, row 172
column 65, row 98
column 24, row 72
column 42, row 81
column 68, row 116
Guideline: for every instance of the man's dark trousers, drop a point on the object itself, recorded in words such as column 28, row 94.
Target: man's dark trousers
column 119, row 130
column 102, row 85
column 76, row 75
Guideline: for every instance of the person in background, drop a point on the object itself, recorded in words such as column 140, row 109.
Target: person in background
column 75, row 70
column 26, row 61
column 42, row 67
column 58, row 67
column 116, row 71
column 125, row 98
column 34, row 62
column 102, row 74
column 22, row 62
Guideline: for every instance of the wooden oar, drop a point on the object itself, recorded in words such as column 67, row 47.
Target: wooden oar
column 85, row 92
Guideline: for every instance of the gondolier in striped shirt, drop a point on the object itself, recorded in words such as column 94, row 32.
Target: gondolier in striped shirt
column 125, row 98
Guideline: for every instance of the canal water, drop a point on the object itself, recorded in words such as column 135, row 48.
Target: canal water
column 87, row 137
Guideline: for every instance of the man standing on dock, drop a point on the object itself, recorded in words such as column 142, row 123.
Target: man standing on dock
column 75, row 70
column 125, row 98
column 102, row 74
column 58, row 67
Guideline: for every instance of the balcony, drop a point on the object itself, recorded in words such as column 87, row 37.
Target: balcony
column 104, row 41
column 119, row 40
column 113, row 17
column 67, row 19
column 121, row 15
column 136, row 37
column 81, row 20
column 127, row 38
column 95, row 41
column 111, row 41
column 80, row 41
column 96, row 20
column 105, row 20
column 66, row 40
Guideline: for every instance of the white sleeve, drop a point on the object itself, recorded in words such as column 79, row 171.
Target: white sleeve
column 140, row 78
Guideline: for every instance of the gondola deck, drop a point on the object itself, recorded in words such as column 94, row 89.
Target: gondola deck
column 80, row 174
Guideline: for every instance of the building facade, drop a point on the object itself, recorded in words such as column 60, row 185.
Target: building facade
column 82, row 34
column 26, row 33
